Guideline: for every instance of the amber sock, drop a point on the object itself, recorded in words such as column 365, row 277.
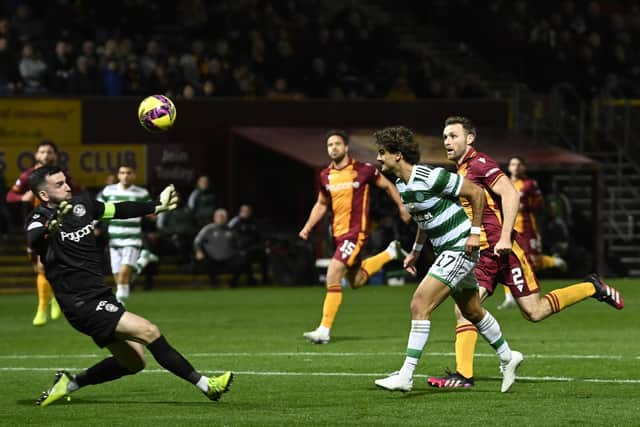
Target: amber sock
column 466, row 337
column 559, row 299
column 332, row 301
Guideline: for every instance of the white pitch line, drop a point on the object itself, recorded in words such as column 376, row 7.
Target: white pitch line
column 344, row 374
column 327, row 354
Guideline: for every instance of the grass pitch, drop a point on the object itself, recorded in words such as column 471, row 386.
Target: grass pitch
column 581, row 366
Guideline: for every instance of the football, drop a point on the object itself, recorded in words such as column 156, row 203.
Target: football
column 156, row 113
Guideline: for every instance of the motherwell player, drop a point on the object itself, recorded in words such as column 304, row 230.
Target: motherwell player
column 46, row 154
column 502, row 259
column 345, row 187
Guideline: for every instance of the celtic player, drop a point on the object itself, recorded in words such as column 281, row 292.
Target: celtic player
column 431, row 195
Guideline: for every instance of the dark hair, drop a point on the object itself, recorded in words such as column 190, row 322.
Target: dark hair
column 466, row 123
column 518, row 158
column 46, row 142
column 399, row 139
column 339, row 132
column 38, row 177
column 127, row 165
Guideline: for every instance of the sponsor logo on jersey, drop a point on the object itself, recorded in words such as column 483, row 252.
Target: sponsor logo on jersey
column 342, row 186
column 75, row 236
column 79, row 210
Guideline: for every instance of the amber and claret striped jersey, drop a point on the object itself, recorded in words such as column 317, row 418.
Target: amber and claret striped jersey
column 482, row 170
column 531, row 201
column 348, row 189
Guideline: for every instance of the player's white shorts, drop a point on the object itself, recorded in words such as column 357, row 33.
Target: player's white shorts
column 123, row 256
column 455, row 269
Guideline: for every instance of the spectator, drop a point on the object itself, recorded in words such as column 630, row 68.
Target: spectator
column 216, row 246
column 32, row 70
column 250, row 244
column 202, row 201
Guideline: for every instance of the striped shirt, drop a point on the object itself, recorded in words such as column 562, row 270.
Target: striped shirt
column 432, row 198
column 124, row 232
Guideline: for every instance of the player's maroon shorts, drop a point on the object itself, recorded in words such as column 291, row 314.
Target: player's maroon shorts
column 349, row 248
column 513, row 270
column 530, row 244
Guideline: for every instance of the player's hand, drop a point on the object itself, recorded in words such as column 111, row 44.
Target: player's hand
column 503, row 247
column 27, row 197
column 304, row 234
column 168, row 199
column 405, row 216
column 54, row 223
column 472, row 244
column 409, row 262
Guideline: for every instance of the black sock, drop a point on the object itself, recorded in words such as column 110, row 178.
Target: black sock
column 107, row 370
column 169, row 358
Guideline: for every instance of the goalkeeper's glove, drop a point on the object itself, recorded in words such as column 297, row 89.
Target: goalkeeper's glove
column 168, row 199
column 54, row 223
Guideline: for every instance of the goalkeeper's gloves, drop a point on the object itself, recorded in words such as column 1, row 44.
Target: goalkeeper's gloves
column 168, row 199
column 54, row 223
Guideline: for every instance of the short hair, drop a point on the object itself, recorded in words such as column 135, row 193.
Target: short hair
column 518, row 158
column 38, row 177
column 127, row 165
column 466, row 123
column 337, row 132
column 399, row 139
column 46, row 142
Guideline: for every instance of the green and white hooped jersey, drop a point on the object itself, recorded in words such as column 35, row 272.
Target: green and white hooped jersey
column 124, row 232
column 432, row 198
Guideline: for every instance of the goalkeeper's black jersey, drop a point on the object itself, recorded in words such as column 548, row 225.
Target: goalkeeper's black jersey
column 71, row 258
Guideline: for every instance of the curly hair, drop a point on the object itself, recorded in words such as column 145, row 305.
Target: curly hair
column 398, row 139
column 466, row 123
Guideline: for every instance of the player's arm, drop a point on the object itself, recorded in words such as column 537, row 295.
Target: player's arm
column 418, row 244
column 536, row 200
column 19, row 192
column 475, row 195
column 317, row 212
column 167, row 201
column 510, row 204
column 392, row 191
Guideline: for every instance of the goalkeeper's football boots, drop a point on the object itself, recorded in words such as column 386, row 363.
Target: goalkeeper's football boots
column 219, row 385
column 450, row 380
column 606, row 293
column 395, row 382
column 57, row 391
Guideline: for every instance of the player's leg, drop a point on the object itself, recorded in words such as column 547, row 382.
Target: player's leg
column 332, row 301
column 428, row 296
column 45, row 297
column 136, row 328
column 468, row 300
column 128, row 257
column 373, row 264
column 486, row 271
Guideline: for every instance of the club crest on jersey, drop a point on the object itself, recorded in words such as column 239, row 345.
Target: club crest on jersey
column 419, row 197
column 79, row 210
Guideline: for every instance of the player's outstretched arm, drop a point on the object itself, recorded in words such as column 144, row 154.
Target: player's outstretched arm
column 167, row 201
column 317, row 212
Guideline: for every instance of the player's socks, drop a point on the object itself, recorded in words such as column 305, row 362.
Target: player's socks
column 559, row 299
column 106, row 370
column 374, row 263
column 417, row 340
column 122, row 292
column 170, row 359
column 44, row 296
column 489, row 328
column 466, row 338
column 332, row 301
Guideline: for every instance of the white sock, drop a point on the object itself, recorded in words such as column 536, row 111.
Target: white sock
column 489, row 328
column 417, row 340
column 203, row 384
column 122, row 291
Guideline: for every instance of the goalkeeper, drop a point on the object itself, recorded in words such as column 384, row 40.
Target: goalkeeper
column 60, row 230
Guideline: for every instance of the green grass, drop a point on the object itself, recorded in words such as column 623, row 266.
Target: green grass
column 282, row 380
